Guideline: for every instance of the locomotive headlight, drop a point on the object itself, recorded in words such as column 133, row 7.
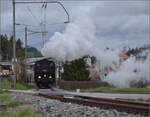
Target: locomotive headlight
column 50, row 76
column 39, row 76
column 44, row 75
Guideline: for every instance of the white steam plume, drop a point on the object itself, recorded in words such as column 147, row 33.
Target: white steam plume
column 126, row 74
column 79, row 39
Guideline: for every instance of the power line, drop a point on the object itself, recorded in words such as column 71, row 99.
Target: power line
column 44, row 8
column 55, row 2
column 28, row 25
column 28, row 8
column 77, row 0
column 56, row 23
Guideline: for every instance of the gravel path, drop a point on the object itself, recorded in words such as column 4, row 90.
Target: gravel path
column 55, row 108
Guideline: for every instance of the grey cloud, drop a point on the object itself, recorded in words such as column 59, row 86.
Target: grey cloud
column 113, row 20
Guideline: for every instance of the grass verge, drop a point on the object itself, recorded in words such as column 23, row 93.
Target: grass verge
column 24, row 112
column 1, row 91
column 138, row 100
column 19, row 85
column 116, row 90
column 6, row 100
column 14, row 109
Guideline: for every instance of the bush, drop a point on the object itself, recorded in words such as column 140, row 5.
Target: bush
column 76, row 70
column 13, row 104
column 1, row 91
column 140, row 84
column 6, row 100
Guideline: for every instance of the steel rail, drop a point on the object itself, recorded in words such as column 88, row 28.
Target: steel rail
column 125, row 106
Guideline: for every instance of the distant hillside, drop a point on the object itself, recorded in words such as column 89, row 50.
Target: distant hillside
column 33, row 52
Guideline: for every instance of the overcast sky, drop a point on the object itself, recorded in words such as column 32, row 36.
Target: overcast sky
column 118, row 23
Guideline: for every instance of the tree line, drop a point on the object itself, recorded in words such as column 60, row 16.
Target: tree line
column 137, row 50
column 7, row 48
column 6, row 52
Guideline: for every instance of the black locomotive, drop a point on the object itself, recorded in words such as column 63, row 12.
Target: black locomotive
column 44, row 73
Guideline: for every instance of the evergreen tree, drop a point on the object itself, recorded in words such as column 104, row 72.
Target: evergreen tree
column 20, row 50
column 76, row 70
column 4, row 47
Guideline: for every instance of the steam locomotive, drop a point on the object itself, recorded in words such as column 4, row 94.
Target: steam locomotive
column 44, row 73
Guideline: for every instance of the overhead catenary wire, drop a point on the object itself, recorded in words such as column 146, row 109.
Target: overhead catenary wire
column 30, row 11
column 43, row 22
column 29, row 25
column 55, row 2
column 55, row 23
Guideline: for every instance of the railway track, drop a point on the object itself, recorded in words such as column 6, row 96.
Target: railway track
column 120, row 105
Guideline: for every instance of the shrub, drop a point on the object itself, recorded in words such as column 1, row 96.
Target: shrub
column 13, row 104
column 75, row 70
column 1, row 91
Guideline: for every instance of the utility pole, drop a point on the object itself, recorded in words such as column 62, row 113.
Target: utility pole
column 0, row 42
column 0, row 36
column 14, row 45
column 25, row 51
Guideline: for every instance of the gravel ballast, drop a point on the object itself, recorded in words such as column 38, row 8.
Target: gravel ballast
column 55, row 108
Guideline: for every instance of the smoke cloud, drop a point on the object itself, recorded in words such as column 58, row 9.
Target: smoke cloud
column 131, row 71
column 79, row 39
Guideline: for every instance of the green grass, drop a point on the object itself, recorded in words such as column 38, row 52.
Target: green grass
column 138, row 100
column 147, row 100
column 22, row 111
column 19, row 86
column 1, row 91
column 5, row 114
column 4, row 99
column 24, row 86
column 25, row 112
column 143, row 100
column 8, row 101
column 2, row 84
column 28, row 112
column 13, row 103
column 117, row 90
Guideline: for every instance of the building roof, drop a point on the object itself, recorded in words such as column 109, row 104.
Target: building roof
column 31, row 61
column 123, row 55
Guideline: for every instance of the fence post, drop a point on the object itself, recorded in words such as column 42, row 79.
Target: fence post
column 5, row 82
column 0, row 81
